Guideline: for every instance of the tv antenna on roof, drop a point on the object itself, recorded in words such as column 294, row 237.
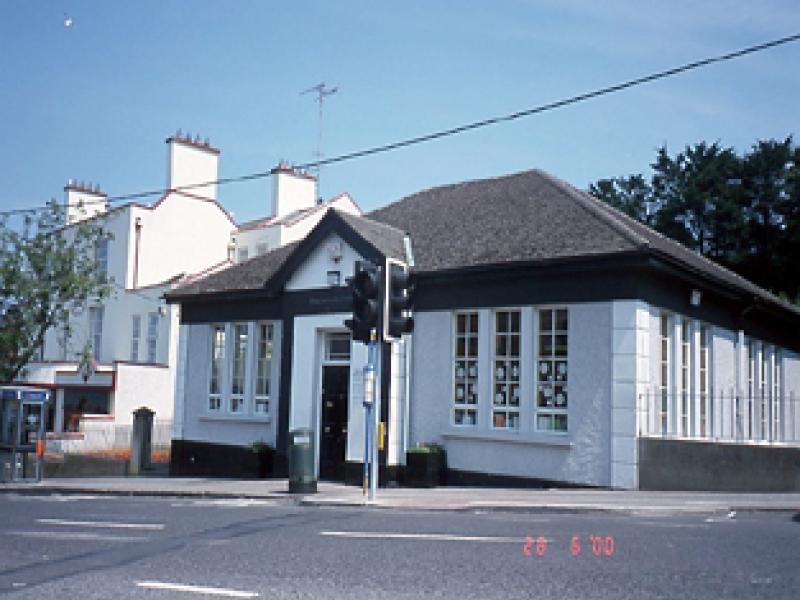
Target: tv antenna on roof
column 321, row 90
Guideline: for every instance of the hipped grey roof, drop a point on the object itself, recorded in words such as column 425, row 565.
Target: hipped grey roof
column 532, row 216
column 520, row 218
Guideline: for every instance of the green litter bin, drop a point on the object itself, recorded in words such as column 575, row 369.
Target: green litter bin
column 301, row 462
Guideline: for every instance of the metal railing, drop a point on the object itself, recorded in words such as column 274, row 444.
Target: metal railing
column 722, row 416
column 111, row 439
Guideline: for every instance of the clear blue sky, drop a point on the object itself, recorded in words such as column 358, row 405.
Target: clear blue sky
column 96, row 100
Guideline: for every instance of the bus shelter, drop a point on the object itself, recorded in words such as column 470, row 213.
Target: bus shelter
column 22, row 433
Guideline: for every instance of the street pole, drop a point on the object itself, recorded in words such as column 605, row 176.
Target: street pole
column 370, row 462
column 374, row 417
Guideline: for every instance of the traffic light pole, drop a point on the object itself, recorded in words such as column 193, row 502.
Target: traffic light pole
column 370, row 440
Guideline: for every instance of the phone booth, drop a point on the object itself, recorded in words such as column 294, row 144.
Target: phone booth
column 22, row 423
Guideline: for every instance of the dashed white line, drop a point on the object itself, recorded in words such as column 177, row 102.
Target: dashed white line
column 103, row 524
column 439, row 537
column 196, row 589
column 77, row 535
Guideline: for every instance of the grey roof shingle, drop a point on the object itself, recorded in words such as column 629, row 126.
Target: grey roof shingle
column 520, row 217
column 523, row 217
column 388, row 240
column 251, row 274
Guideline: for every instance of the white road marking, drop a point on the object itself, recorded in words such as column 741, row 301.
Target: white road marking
column 52, row 498
column 226, row 503
column 443, row 537
column 63, row 535
column 196, row 589
column 103, row 524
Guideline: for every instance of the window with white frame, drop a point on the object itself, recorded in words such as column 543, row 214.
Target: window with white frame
column 238, row 367
column 136, row 332
column 217, row 367
column 552, row 371
column 262, row 248
column 685, row 366
column 152, row 336
column 334, row 278
column 243, row 254
column 704, row 381
column 263, row 368
column 506, row 388
column 465, row 393
column 337, row 347
column 663, row 374
column 776, row 396
column 764, row 393
column 96, row 330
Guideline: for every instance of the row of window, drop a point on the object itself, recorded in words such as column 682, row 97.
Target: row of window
column 240, row 377
column 550, row 373
column 685, row 404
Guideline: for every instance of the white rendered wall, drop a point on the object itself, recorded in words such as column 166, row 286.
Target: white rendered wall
column 251, row 238
column 630, row 380
column 138, row 386
column 180, row 235
column 196, row 421
column 313, row 272
column 306, row 372
column 580, row 456
column 188, row 165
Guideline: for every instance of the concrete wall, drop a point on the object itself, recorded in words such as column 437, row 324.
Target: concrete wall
column 694, row 465
column 581, row 456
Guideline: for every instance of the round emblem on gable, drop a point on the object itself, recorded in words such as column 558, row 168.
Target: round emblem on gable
column 335, row 250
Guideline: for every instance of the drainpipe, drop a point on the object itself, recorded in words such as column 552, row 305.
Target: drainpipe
column 137, row 242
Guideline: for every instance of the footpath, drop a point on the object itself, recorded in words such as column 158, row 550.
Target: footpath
column 440, row 498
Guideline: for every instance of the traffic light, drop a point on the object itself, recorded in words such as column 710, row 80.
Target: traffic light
column 399, row 301
column 366, row 289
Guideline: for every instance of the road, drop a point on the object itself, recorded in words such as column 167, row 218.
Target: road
column 161, row 548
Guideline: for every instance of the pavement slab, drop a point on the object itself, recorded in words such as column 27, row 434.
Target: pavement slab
column 441, row 498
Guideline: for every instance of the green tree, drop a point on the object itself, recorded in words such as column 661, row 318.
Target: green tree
column 741, row 211
column 632, row 195
column 46, row 271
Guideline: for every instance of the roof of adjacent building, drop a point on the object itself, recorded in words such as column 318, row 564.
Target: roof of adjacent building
column 256, row 273
column 519, row 218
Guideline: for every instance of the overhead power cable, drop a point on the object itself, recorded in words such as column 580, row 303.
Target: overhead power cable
column 461, row 128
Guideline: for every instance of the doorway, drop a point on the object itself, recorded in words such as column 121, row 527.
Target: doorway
column 333, row 433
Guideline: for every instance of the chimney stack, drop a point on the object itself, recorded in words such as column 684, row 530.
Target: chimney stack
column 83, row 201
column 292, row 190
column 192, row 161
